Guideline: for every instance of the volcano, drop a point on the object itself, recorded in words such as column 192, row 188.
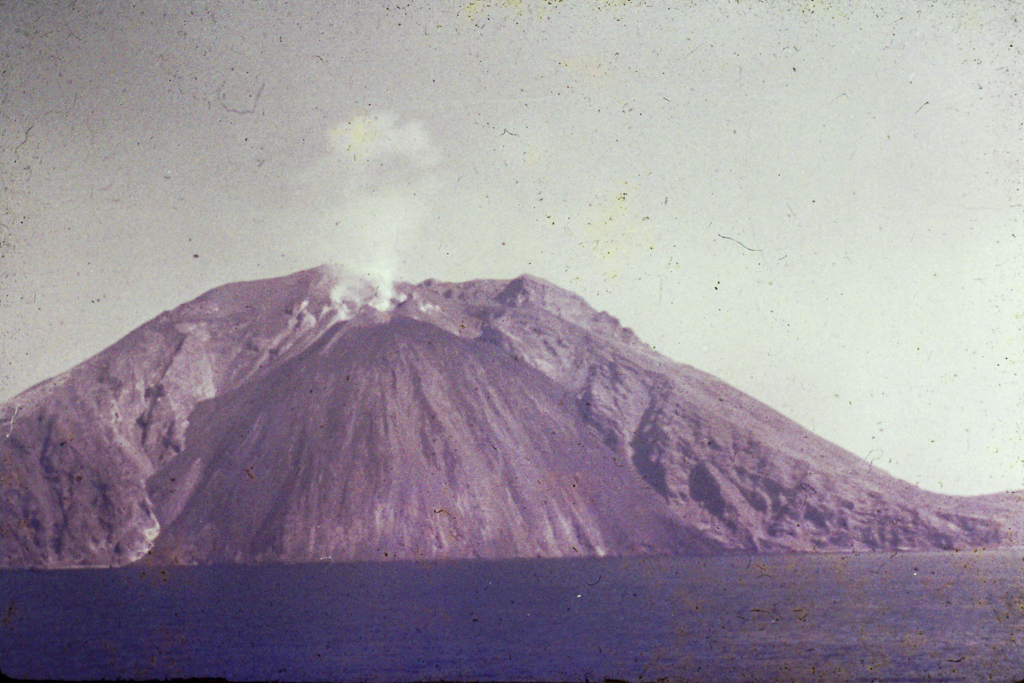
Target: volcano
column 316, row 417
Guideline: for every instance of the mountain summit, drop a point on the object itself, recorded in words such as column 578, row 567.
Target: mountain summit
column 320, row 417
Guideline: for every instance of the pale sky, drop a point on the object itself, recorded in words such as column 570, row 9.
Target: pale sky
column 820, row 203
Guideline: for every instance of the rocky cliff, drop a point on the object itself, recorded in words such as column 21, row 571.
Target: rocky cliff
column 314, row 417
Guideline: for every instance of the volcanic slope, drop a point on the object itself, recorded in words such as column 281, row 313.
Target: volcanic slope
column 77, row 449
column 401, row 440
column 313, row 417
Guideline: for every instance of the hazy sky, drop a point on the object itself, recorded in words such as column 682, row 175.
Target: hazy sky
column 820, row 203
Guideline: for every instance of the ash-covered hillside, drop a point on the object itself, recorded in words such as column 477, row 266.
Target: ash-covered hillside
column 314, row 418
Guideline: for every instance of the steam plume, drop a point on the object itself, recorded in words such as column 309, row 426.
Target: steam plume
column 373, row 191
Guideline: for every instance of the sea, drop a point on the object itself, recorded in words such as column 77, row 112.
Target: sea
column 949, row 616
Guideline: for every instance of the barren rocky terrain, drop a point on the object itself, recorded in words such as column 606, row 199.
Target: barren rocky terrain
column 315, row 417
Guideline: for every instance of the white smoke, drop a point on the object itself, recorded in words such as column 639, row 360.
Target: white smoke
column 372, row 192
column 374, row 289
column 367, row 138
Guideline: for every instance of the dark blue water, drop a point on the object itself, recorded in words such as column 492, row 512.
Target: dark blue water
column 907, row 617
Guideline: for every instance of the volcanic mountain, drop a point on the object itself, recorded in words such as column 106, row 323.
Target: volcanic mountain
column 316, row 418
